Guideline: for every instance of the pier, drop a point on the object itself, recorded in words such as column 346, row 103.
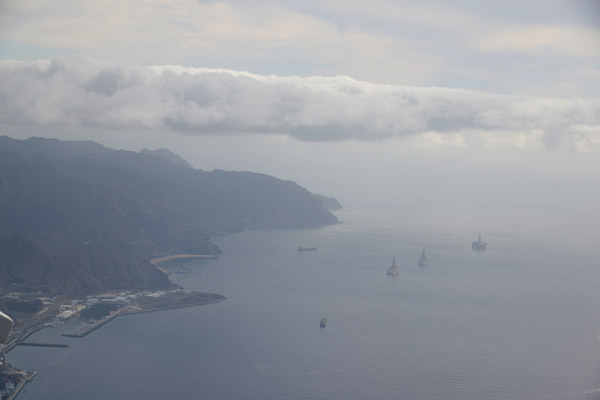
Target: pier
column 166, row 303
column 33, row 344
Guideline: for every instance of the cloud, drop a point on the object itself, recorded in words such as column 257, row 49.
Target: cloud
column 258, row 36
column 92, row 93
column 567, row 40
column 432, row 42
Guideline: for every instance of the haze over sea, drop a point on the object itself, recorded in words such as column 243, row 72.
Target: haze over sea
column 519, row 321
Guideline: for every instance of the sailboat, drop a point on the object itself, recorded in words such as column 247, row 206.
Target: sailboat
column 393, row 269
column 423, row 259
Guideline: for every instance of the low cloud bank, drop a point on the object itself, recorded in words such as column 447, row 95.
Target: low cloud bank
column 92, row 93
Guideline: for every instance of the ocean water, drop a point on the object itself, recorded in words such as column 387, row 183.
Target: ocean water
column 520, row 321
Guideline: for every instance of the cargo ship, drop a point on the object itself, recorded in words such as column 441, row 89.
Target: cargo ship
column 307, row 248
column 393, row 269
column 423, row 260
column 479, row 245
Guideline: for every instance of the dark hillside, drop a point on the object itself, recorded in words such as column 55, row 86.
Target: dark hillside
column 79, row 217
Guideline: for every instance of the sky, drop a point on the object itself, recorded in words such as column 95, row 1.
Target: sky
column 336, row 95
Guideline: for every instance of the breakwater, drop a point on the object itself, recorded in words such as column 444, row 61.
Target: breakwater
column 170, row 303
column 33, row 344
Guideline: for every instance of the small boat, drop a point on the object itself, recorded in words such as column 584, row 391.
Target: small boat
column 423, row 260
column 323, row 322
column 393, row 269
column 307, row 248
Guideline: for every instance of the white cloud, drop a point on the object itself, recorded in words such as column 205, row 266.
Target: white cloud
column 574, row 41
column 217, row 33
column 432, row 42
column 92, row 93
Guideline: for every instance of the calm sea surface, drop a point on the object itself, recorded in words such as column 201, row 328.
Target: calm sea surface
column 520, row 321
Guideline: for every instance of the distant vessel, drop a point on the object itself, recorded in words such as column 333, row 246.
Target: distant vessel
column 393, row 269
column 423, row 259
column 323, row 322
column 307, row 248
column 479, row 245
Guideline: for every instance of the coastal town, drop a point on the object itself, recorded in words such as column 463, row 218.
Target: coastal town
column 33, row 313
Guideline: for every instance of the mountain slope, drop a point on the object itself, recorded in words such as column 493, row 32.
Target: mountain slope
column 87, row 218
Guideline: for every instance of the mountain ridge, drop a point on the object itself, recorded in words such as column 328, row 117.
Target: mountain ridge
column 80, row 208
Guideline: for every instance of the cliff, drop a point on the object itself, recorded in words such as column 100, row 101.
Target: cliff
column 77, row 217
column 329, row 203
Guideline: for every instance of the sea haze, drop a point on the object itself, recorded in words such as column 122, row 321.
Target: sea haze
column 519, row 321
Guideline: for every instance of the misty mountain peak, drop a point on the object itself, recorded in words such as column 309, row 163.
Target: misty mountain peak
column 168, row 155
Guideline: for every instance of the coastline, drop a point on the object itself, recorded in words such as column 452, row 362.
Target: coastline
column 156, row 261
column 197, row 299
column 208, row 298
column 29, row 378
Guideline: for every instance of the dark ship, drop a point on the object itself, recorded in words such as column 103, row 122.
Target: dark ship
column 393, row 269
column 423, row 260
column 307, row 248
column 479, row 245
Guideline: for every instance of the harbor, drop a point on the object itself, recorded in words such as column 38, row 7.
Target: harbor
column 60, row 309
column 161, row 301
